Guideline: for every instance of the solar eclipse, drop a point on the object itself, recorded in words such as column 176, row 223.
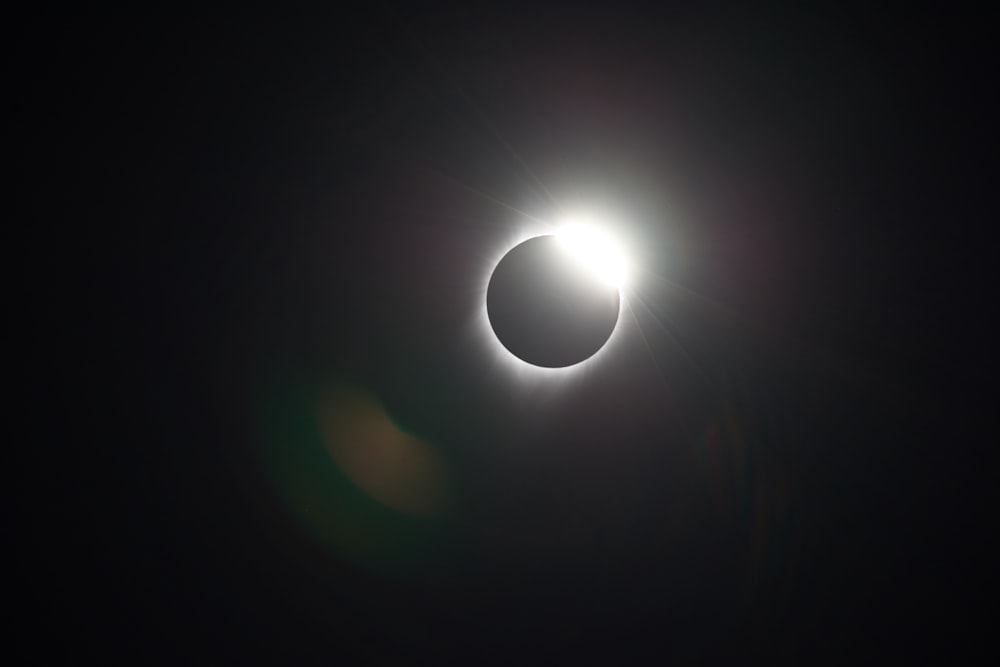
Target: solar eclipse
column 553, row 301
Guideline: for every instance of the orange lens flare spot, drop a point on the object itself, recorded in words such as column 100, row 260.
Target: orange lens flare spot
column 395, row 468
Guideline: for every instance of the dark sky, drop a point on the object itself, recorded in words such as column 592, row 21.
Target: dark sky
column 273, row 431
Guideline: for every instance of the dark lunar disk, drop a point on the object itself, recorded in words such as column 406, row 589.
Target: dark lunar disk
column 547, row 308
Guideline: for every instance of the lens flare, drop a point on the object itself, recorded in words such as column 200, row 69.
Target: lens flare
column 353, row 480
column 395, row 468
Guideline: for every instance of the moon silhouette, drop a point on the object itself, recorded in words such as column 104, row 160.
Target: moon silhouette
column 548, row 308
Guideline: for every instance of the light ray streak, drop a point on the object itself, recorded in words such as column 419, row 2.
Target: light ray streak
column 676, row 340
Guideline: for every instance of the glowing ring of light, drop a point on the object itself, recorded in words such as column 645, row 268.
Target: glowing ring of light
column 588, row 242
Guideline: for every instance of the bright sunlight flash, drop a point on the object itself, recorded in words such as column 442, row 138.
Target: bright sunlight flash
column 596, row 251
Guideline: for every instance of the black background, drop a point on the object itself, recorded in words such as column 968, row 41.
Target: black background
column 221, row 208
